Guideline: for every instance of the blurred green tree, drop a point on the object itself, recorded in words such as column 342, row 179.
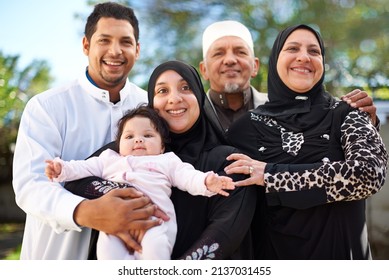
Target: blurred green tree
column 356, row 34
column 16, row 88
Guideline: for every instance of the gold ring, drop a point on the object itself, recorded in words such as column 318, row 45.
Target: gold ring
column 251, row 170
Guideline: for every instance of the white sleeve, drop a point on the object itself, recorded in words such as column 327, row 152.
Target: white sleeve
column 39, row 139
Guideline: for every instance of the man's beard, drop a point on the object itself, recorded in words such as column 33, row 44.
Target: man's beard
column 232, row 88
column 112, row 80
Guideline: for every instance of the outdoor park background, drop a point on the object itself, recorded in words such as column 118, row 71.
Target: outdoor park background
column 41, row 48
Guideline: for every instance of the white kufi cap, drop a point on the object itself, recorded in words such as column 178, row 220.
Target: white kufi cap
column 226, row 28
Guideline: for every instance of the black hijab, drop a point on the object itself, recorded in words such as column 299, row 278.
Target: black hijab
column 292, row 110
column 202, row 136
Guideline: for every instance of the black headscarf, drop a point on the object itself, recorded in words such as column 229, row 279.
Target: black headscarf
column 292, row 110
column 202, row 136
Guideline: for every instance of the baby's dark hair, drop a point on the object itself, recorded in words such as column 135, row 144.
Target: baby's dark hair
column 142, row 110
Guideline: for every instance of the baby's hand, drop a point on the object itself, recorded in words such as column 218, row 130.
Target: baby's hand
column 217, row 184
column 53, row 169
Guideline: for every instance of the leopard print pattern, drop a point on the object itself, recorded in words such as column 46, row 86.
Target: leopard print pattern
column 291, row 142
column 361, row 175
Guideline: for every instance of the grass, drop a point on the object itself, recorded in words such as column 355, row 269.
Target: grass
column 6, row 230
column 14, row 255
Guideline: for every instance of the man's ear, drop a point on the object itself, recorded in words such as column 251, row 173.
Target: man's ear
column 255, row 67
column 85, row 46
column 137, row 52
column 203, row 70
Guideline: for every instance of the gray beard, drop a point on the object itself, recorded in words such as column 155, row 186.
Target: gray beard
column 231, row 88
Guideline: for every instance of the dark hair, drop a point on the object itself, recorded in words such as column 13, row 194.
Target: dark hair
column 160, row 125
column 110, row 10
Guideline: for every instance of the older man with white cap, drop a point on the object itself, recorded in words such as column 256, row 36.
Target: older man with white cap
column 229, row 63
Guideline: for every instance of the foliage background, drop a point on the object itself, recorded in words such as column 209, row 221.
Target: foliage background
column 356, row 34
column 17, row 86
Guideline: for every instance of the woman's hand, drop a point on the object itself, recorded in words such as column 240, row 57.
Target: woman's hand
column 245, row 165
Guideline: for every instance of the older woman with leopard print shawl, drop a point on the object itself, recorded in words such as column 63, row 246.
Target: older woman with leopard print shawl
column 316, row 159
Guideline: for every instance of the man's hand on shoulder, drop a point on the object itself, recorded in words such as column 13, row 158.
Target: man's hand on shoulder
column 361, row 100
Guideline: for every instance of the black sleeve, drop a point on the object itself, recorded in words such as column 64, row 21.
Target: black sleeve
column 226, row 234
column 217, row 227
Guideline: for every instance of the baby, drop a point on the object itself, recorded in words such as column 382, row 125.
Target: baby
column 141, row 162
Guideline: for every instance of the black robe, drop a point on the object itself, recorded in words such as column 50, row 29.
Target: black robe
column 305, row 220
column 323, row 160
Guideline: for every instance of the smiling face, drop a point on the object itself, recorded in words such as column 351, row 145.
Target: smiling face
column 175, row 102
column 112, row 52
column 229, row 65
column 300, row 62
column 140, row 138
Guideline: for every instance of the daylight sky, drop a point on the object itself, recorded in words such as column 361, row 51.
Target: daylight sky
column 45, row 30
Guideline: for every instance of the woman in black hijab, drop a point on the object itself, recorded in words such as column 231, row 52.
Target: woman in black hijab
column 208, row 228
column 317, row 159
